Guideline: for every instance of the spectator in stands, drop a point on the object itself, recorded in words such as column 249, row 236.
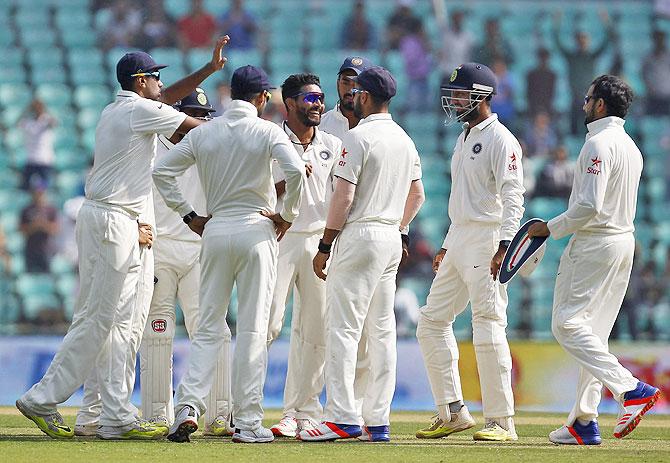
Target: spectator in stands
column 121, row 27
column 401, row 23
column 198, row 28
column 158, row 29
column 240, row 25
column 5, row 256
column 557, row 176
column 457, row 45
column 415, row 51
column 540, row 136
column 357, row 31
column 494, row 45
column 541, row 85
column 656, row 67
column 503, row 101
column 37, row 127
column 581, row 66
column 39, row 225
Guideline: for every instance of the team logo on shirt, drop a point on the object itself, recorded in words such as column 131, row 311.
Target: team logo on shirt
column 595, row 166
column 477, row 148
column 159, row 326
column 325, row 155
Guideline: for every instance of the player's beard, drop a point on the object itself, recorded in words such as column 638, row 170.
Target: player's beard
column 358, row 109
column 472, row 115
column 589, row 117
column 346, row 104
column 306, row 119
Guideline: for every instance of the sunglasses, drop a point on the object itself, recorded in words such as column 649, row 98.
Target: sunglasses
column 268, row 95
column 587, row 98
column 356, row 91
column 155, row 74
column 311, row 97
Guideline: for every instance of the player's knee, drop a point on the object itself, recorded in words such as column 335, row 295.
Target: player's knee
column 427, row 327
column 563, row 328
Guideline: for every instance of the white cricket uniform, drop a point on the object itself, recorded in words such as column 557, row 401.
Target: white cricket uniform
column 595, row 266
column 177, row 268
column 307, row 350
column 109, row 258
column 381, row 160
column 485, row 207
column 334, row 123
column 233, row 154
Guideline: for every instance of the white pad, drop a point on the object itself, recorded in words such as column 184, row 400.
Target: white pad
column 219, row 400
column 156, row 368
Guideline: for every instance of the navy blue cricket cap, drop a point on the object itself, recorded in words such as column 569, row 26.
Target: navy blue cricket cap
column 472, row 76
column 357, row 64
column 196, row 100
column 377, row 81
column 248, row 80
column 135, row 63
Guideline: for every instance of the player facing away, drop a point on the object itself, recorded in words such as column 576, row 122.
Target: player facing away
column 378, row 191
column 239, row 246
column 117, row 191
column 177, row 269
column 304, row 103
column 485, row 207
column 595, row 267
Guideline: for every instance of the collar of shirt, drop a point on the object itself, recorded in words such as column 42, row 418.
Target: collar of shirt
column 337, row 112
column 128, row 94
column 485, row 123
column 240, row 108
column 598, row 126
column 294, row 138
column 376, row 117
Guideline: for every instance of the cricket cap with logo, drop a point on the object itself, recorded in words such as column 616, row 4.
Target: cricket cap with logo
column 378, row 81
column 357, row 64
column 196, row 100
column 248, row 80
column 135, row 62
column 524, row 253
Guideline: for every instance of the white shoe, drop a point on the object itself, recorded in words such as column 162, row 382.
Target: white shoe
column 137, row 430
column 85, row 430
column 219, row 427
column 303, row 424
column 185, row 424
column 257, row 436
column 287, row 427
column 492, row 431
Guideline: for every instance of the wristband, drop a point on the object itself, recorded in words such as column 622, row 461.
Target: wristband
column 505, row 243
column 188, row 217
column 324, row 248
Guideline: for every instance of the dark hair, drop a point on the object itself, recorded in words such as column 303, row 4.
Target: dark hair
column 379, row 102
column 616, row 94
column 294, row 84
column 127, row 84
column 249, row 97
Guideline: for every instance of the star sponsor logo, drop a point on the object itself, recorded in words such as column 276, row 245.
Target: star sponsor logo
column 595, row 166
column 342, row 161
column 512, row 163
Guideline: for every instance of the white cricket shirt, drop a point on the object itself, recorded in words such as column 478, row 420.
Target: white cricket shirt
column 487, row 178
column 381, row 160
column 321, row 153
column 334, row 123
column 233, row 154
column 170, row 224
column 604, row 191
column 125, row 147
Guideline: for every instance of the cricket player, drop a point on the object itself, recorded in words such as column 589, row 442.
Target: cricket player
column 378, row 191
column 177, row 269
column 117, row 191
column 485, row 207
column 595, row 267
column 233, row 155
column 304, row 99
column 338, row 121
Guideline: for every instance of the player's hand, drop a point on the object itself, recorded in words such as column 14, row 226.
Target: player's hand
column 146, row 235
column 538, row 229
column 437, row 260
column 308, row 169
column 496, row 262
column 319, row 264
column 405, row 249
column 197, row 224
column 218, row 60
column 281, row 225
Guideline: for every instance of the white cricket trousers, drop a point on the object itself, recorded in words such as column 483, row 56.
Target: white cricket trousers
column 91, row 407
column 177, row 268
column 360, row 290
column 109, row 268
column 465, row 276
column 307, row 348
column 591, row 283
column 242, row 252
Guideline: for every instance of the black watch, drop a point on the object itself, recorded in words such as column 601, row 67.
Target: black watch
column 505, row 243
column 188, row 217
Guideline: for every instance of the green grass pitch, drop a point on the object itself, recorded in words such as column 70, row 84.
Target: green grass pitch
column 21, row 441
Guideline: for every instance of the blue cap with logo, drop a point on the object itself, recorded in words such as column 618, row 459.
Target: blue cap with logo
column 196, row 100
column 472, row 76
column 135, row 63
column 377, row 81
column 248, row 80
column 357, row 64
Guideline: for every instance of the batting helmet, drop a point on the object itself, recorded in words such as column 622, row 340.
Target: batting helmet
column 476, row 79
column 196, row 100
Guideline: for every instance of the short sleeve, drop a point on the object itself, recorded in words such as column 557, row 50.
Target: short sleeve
column 151, row 116
column 277, row 174
column 416, row 166
column 351, row 159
